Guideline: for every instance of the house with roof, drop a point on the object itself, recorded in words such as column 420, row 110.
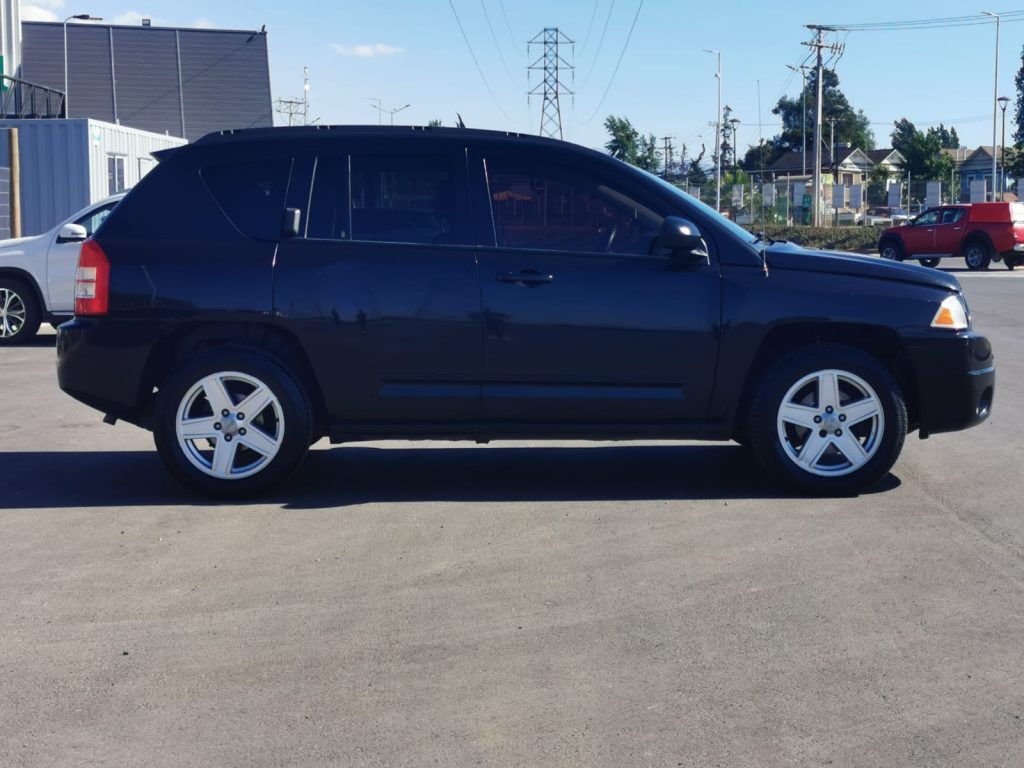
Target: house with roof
column 853, row 165
column 977, row 165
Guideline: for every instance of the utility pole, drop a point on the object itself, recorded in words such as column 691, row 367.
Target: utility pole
column 995, row 102
column 832, row 148
column 803, row 131
column 551, row 87
column 819, row 45
column 667, row 140
column 305, row 95
column 718, row 133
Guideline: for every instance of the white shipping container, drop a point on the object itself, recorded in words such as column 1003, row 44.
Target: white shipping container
column 68, row 164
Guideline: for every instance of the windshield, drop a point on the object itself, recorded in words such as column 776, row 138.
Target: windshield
column 728, row 224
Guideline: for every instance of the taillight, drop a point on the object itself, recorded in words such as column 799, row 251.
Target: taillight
column 92, row 283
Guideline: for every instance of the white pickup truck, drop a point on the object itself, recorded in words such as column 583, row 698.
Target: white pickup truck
column 37, row 274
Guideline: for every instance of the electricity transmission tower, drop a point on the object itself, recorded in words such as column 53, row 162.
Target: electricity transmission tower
column 293, row 108
column 551, row 86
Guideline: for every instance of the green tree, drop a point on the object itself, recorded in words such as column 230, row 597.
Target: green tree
column 852, row 126
column 695, row 174
column 1018, row 114
column 435, row 123
column 629, row 145
column 922, row 155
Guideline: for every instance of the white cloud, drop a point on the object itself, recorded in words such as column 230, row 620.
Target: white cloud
column 203, row 23
column 35, row 13
column 51, row 4
column 130, row 18
column 367, row 51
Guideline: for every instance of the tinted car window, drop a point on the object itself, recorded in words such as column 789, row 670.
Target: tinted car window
column 251, row 193
column 554, row 208
column 927, row 218
column 952, row 215
column 92, row 220
column 329, row 215
column 403, row 199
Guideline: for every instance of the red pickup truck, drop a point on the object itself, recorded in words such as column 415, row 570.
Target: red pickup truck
column 980, row 232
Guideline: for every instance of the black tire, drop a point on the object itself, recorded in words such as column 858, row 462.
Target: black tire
column 19, row 312
column 977, row 255
column 285, row 424
column 930, row 262
column 881, row 437
column 891, row 249
column 1010, row 262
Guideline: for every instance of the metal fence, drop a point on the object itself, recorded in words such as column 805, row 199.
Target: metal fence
column 788, row 202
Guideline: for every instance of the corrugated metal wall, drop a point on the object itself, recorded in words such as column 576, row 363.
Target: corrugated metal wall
column 54, row 169
column 64, row 164
column 225, row 75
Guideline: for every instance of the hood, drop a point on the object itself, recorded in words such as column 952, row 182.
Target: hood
column 790, row 256
column 16, row 244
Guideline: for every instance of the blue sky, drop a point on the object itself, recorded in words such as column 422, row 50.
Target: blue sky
column 412, row 52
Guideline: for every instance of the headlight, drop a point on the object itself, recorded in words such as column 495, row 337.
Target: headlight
column 952, row 315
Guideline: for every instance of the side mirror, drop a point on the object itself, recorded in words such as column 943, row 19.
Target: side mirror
column 72, row 233
column 683, row 238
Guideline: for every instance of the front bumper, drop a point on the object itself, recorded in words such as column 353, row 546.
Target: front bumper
column 956, row 379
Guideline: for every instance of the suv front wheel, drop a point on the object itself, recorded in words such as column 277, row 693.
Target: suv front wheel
column 828, row 420
column 232, row 423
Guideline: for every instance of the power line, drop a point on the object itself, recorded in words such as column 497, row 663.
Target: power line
column 497, row 45
column 617, row 63
column 478, row 69
column 600, row 43
column 501, row 4
column 593, row 15
column 937, row 23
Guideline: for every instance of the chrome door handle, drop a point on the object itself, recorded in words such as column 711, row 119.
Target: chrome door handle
column 526, row 278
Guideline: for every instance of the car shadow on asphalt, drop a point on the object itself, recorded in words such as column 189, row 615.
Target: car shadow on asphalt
column 348, row 476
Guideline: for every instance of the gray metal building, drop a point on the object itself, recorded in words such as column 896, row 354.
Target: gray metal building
column 182, row 82
column 68, row 164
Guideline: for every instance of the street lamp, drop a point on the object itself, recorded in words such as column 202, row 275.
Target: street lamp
column 718, row 133
column 80, row 17
column 803, row 131
column 391, row 112
column 1003, row 101
column 995, row 94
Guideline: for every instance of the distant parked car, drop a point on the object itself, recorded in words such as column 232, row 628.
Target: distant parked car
column 37, row 274
column 980, row 232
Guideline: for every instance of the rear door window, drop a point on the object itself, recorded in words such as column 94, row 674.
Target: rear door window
column 251, row 193
column 401, row 198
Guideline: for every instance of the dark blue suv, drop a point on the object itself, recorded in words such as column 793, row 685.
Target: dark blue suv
column 261, row 289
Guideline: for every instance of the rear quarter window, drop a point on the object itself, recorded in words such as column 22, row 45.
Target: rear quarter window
column 251, row 193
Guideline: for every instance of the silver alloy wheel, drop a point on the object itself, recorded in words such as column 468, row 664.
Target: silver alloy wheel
column 974, row 256
column 830, row 423
column 890, row 252
column 12, row 313
column 230, row 425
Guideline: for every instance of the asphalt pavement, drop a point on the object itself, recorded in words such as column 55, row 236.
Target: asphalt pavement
column 566, row 604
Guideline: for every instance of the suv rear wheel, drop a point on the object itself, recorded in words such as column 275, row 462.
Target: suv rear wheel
column 19, row 312
column 828, row 420
column 1010, row 261
column 232, row 423
column 891, row 249
column 978, row 255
